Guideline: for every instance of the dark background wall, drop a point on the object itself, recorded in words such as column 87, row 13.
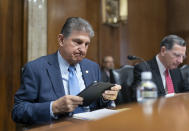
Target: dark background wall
column 148, row 21
column 178, row 19
column 147, row 25
column 11, row 36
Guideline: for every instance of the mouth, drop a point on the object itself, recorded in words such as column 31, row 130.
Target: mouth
column 78, row 54
column 176, row 65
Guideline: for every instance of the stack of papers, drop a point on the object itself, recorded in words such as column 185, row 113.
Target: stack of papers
column 95, row 115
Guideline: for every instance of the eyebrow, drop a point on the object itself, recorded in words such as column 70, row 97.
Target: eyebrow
column 79, row 40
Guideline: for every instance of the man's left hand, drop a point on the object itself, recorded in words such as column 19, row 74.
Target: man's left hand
column 112, row 93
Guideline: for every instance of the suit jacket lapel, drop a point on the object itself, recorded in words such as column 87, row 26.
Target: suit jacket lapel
column 85, row 73
column 157, row 76
column 55, row 75
column 174, row 77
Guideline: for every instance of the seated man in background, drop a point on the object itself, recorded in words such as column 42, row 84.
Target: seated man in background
column 50, row 84
column 122, row 76
column 107, row 69
column 163, row 66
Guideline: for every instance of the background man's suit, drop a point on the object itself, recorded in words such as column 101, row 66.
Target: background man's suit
column 41, row 83
column 106, row 78
column 178, row 82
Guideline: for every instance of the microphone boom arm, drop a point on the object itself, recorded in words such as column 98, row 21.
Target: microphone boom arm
column 131, row 57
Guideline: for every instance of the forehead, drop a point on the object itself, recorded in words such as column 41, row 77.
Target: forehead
column 108, row 58
column 179, row 48
column 79, row 35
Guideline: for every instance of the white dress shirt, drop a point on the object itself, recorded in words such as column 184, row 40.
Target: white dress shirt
column 161, row 70
column 64, row 65
column 162, row 73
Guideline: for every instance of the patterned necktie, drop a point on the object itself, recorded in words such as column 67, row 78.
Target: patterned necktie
column 73, row 82
column 169, row 83
column 74, row 89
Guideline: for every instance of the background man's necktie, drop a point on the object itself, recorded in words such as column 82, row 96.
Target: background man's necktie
column 169, row 83
column 74, row 88
column 112, row 79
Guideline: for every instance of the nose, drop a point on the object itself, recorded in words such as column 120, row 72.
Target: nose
column 82, row 47
column 180, row 60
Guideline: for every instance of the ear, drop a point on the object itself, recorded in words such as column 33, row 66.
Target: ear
column 60, row 39
column 163, row 50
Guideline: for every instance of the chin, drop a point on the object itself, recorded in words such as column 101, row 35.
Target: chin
column 173, row 67
column 77, row 61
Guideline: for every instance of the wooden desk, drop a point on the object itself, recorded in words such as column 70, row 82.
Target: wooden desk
column 165, row 114
column 53, row 126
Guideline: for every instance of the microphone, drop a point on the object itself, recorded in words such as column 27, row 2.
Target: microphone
column 132, row 57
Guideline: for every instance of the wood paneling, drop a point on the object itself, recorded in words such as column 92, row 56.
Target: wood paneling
column 147, row 26
column 178, row 19
column 25, row 32
column 178, row 16
column 124, row 42
column 10, row 58
column 93, row 16
column 58, row 12
column 109, row 42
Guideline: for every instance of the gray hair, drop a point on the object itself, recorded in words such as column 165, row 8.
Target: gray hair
column 76, row 24
column 170, row 40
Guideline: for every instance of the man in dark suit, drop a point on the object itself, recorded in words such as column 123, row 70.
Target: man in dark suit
column 107, row 69
column 45, row 92
column 172, row 53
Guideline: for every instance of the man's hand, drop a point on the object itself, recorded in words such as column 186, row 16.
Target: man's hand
column 66, row 104
column 111, row 94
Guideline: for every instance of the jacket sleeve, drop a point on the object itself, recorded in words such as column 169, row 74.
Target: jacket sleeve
column 184, row 75
column 100, row 103
column 26, row 107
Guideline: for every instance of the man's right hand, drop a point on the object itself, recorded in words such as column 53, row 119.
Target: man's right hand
column 66, row 104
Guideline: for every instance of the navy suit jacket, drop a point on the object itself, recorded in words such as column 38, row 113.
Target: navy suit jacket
column 41, row 83
column 179, row 84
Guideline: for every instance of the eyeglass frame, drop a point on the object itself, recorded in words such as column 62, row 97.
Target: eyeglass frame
column 176, row 55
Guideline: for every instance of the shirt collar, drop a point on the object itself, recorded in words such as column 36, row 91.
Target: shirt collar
column 64, row 64
column 160, row 65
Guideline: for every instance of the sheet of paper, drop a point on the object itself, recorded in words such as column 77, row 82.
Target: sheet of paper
column 95, row 115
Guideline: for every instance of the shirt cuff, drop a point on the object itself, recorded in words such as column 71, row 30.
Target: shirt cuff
column 111, row 103
column 51, row 112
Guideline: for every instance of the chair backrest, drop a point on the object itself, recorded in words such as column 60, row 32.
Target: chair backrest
column 124, row 77
column 185, row 73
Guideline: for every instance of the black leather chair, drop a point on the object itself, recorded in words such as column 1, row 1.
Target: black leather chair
column 124, row 77
column 185, row 73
